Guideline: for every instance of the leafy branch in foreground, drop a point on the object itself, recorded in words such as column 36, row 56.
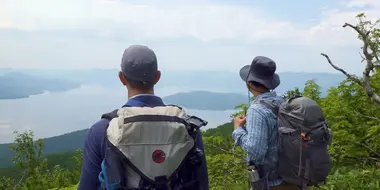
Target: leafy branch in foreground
column 36, row 174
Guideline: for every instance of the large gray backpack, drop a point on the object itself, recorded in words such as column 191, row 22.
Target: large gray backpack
column 304, row 137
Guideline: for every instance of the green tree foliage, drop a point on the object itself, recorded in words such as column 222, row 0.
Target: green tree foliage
column 241, row 109
column 312, row 90
column 355, row 122
column 224, row 130
column 293, row 93
column 349, row 178
column 226, row 163
column 34, row 171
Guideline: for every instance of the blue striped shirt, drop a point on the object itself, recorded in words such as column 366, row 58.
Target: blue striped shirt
column 259, row 138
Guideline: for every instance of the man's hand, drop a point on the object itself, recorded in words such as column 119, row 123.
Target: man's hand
column 239, row 121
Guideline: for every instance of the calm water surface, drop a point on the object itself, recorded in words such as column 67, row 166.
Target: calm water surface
column 52, row 114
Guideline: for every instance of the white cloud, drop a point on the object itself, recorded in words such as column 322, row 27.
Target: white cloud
column 329, row 31
column 83, row 33
column 374, row 4
column 197, row 19
column 201, row 20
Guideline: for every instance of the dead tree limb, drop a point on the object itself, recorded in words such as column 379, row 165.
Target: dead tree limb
column 349, row 76
column 19, row 182
column 370, row 65
column 366, row 116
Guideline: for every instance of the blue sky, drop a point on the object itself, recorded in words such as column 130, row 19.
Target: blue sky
column 186, row 35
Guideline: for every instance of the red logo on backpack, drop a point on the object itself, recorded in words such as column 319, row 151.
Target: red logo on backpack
column 158, row 156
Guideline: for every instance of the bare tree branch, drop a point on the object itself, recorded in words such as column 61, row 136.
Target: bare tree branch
column 369, row 148
column 19, row 182
column 362, row 56
column 366, row 116
column 349, row 76
column 366, row 82
column 377, row 59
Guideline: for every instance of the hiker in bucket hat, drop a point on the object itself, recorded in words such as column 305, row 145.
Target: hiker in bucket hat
column 256, row 132
column 262, row 72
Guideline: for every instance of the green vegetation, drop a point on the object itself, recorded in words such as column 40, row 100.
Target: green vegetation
column 54, row 145
column 34, row 171
column 351, row 110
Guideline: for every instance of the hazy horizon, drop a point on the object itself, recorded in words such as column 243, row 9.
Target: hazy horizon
column 116, row 69
column 76, row 109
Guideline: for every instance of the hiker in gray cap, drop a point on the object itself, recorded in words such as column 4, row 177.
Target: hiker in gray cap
column 257, row 132
column 142, row 145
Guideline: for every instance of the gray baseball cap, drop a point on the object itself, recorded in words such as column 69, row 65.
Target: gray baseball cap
column 139, row 63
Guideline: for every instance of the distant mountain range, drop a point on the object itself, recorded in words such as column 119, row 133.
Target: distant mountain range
column 35, row 81
column 203, row 100
column 17, row 85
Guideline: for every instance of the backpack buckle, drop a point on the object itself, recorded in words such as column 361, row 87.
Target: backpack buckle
column 196, row 121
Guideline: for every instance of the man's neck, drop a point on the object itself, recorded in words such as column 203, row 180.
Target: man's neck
column 132, row 93
column 256, row 93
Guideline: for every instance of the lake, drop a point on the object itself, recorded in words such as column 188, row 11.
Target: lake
column 52, row 114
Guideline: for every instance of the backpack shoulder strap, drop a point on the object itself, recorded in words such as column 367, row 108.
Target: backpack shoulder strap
column 103, row 176
column 175, row 106
column 270, row 105
column 109, row 116
column 194, row 122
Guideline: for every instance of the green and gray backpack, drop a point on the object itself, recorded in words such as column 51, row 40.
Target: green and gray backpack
column 303, row 140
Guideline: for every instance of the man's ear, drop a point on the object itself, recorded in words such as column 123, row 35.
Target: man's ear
column 122, row 78
column 249, row 86
column 252, row 88
column 157, row 77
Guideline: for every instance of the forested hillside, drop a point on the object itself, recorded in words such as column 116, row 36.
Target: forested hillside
column 352, row 110
column 53, row 145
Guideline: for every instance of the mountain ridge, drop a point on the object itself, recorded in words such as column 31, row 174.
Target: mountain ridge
column 225, row 81
column 16, row 85
column 206, row 100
